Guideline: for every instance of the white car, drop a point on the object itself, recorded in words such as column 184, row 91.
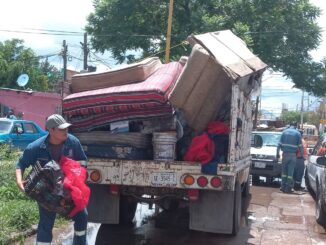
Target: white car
column 264, row 161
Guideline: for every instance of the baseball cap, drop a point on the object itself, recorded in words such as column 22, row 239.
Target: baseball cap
column 56, row 121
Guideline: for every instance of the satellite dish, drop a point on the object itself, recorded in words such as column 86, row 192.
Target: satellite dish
column 22, row 80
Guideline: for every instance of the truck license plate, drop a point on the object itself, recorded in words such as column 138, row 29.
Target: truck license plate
column 260, row 165
column 163, row 179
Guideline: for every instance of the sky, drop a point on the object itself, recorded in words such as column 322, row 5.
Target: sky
column 278, row 92
column 34, row 15
column 31, row 16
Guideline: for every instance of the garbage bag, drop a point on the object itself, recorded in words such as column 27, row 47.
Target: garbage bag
column 74, row 181
column 46, row 186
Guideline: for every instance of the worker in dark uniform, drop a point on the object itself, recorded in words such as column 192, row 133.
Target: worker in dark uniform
column 290, row 143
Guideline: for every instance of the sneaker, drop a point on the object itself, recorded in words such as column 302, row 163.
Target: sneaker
column 289, row 191
column 299, row 188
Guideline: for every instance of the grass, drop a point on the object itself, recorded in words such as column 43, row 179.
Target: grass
column 18, row 213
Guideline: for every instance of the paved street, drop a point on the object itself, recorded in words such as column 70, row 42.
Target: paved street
column 272, row 218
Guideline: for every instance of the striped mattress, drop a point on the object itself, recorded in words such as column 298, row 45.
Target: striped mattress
column 92, row 109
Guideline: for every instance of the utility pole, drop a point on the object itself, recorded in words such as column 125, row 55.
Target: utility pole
column 256, row 113
column 85, row 50
column 64, row 56
column 301, row 115
column 168, row 35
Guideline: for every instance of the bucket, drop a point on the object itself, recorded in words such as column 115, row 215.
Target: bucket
column 164, row 145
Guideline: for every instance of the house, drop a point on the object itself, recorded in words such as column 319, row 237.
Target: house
column 29, row 105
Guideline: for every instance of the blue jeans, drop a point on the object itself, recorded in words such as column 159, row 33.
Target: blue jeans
column 46, row 222
column 298, row 171
column 288, row 165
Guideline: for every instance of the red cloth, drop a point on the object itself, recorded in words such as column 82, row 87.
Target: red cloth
column 201, row 149
column 74, row 180
column 218, row 128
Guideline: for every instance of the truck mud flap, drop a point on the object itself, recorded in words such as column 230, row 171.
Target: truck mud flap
column 103, row 207
column 213, row 212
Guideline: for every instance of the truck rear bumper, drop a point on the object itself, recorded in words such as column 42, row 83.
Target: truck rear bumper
column 161, row 174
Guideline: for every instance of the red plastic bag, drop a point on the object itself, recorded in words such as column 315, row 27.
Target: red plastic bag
column 74, row 180
column 201, row 149
column 217, row 127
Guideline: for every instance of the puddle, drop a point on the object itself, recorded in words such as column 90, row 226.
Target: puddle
column 142, row 216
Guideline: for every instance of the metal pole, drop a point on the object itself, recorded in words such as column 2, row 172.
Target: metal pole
column 85, row 49
column 168, row 35
column 64, row 55
column 256, row 113
column 301, row 115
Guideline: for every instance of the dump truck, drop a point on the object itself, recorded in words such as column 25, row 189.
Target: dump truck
column 215, row 84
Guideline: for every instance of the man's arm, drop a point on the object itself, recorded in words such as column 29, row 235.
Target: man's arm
column 79, row 154
column 300, row 147
column 24, row 162
column 19, row 179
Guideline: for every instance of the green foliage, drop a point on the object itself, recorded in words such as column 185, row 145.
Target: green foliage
column 17, row 211
column 295, row 116
column 53, row 73
column 7, row 153
column 16, row 59
column 280, row 32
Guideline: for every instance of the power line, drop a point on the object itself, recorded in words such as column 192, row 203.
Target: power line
column 76, row 33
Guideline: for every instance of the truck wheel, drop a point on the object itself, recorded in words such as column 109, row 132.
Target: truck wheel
column 246, row 189
column 236, row 209
column 269, row 180
column 128, row 208
column 255, row 179
column 307, row 182
column 320, row 212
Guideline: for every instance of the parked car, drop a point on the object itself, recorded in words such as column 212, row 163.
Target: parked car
column 19, row 133
column 315, row 178
column 264, row 162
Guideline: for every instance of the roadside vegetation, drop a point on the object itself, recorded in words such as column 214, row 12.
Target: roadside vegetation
column 18, row 213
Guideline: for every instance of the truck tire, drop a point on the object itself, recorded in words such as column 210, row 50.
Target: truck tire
column 237, row 209
column 246, row 189
column 320, row 209
column 127, row 212
column 255, row 179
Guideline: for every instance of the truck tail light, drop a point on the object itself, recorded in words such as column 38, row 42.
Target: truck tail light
column 202, row 181
column 193, row 194
column 114, row 189
column 95, row 176
column 216, row 182
column 188, row 180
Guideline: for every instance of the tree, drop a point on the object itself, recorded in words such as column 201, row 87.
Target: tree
column 295, row 116
column 16, row 59
column 280, row 32
column 53, row 73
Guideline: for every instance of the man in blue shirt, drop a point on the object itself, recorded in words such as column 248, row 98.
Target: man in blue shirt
column 51, row 147
column 289, row 143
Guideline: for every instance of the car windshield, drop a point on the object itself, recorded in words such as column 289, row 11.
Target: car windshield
column 5, row 127
column 269, row 139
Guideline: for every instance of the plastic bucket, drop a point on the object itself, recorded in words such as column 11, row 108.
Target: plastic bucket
column 164, row 145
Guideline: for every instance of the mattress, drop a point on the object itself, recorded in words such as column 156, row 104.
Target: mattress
column 197, row 92
column 134, row 139
column 147, row 99
column 94, row 121
column 217, row 62
column 123, row 75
